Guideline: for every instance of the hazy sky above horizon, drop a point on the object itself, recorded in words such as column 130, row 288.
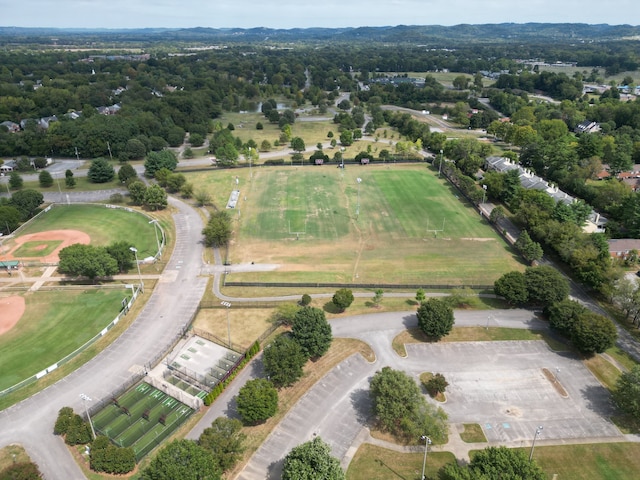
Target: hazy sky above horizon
column 300, row 13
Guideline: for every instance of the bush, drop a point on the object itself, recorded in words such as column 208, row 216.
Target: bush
column 305, row 300
column 593, row 333
column 21, row 471
column 65, row 416
column 436, row 384
column 342, row 299
column 106, row 457
column 45, row 179
column 274, row 161
column 100, row 171
column 116, row 198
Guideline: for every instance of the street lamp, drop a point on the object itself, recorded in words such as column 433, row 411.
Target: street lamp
column 155, row 229
column 86, row 399
column 228, row 305
column 484, row 193
column 538, row 432
column 427, row 442
column 359, row 180
column 440, row 164
column 135, row 253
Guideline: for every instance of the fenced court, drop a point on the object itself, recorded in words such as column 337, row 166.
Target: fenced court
column 141, row 418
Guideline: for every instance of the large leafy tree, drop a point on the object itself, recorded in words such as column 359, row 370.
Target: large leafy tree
column 530, row 249
column 312, row 461
column 87, row 261
column 45, row 179
column 563, row 315
column 9, row 219
column 100, row 171
column 435, row 318
column 137, row 190
column 27, row 202
column 155, row 197
column 512, row 287
column 225, row 441
column 593, row 333
column 217, row 232
column 257, row 401
column 495, row 462
column 183, row 459
column 545, row 285
column 157, row 160
column 283, row 361
column 312, row 331
column 627, row 393
column 123, row 255
column 401, row 409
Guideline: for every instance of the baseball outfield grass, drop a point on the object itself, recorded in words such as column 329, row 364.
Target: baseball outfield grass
column 399, row 224
column 103, row 225
column 54, row 324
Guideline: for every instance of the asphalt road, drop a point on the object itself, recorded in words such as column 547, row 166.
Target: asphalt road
column 169, row 308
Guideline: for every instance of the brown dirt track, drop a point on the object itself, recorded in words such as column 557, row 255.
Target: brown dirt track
column 68, row 237
column 12, row 310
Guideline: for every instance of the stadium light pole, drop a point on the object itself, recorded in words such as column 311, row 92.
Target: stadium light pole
column 484, row 193
column 155, row 229
column 228, row 305
column 440, row 164
column 359, row 180
column 135, row 253
column 538, row 432
column 427, row 442
column 86, row 399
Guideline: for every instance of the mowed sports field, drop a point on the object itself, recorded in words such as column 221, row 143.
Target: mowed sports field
column 103, row 225
column 390, row 241
column 53, row 325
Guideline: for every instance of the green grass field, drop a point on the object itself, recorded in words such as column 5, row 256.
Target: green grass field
column 53, row 326
column 38, row 248
column 388, row 242
column 103, row 225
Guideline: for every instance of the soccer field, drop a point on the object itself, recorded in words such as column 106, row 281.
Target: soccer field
column 400, row 224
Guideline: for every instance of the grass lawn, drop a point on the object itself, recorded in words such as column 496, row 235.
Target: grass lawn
column 246, row 324
column 473, row 433
column 103, row 225
column 375, row 463
column 604, row 461
column 388, row 242
column 40, row 248
column 53, row 326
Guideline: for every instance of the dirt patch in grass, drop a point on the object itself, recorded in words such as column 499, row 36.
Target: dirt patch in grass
column 12, row 309
column 473, row 433
column 59, row 238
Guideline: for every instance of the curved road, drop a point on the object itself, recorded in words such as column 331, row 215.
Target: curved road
column 167, row 311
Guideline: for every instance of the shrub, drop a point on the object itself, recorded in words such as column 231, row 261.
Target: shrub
column 305, row 300
column 436, row 384
column 343, row 298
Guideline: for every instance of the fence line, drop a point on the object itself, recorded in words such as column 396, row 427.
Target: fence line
column 77, row 351
column 389, row 286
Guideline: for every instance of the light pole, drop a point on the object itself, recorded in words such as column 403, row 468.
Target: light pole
column 228, row 305
column 86, row 399
column 538, row 432
column 155, row 229
column 427, row 442
column 135, row 253
column 359, row 180
column 484, row 193
column 440, row 164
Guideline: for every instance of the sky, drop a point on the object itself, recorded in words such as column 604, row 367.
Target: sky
column 305, row 14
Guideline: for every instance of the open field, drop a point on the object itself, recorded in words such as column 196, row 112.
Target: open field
column 392, row 240
column 53, row 326
column 82, row 185
column 103, row 225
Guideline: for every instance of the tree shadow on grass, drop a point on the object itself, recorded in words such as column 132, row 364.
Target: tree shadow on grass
column 331, row 307
column 387, row 467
